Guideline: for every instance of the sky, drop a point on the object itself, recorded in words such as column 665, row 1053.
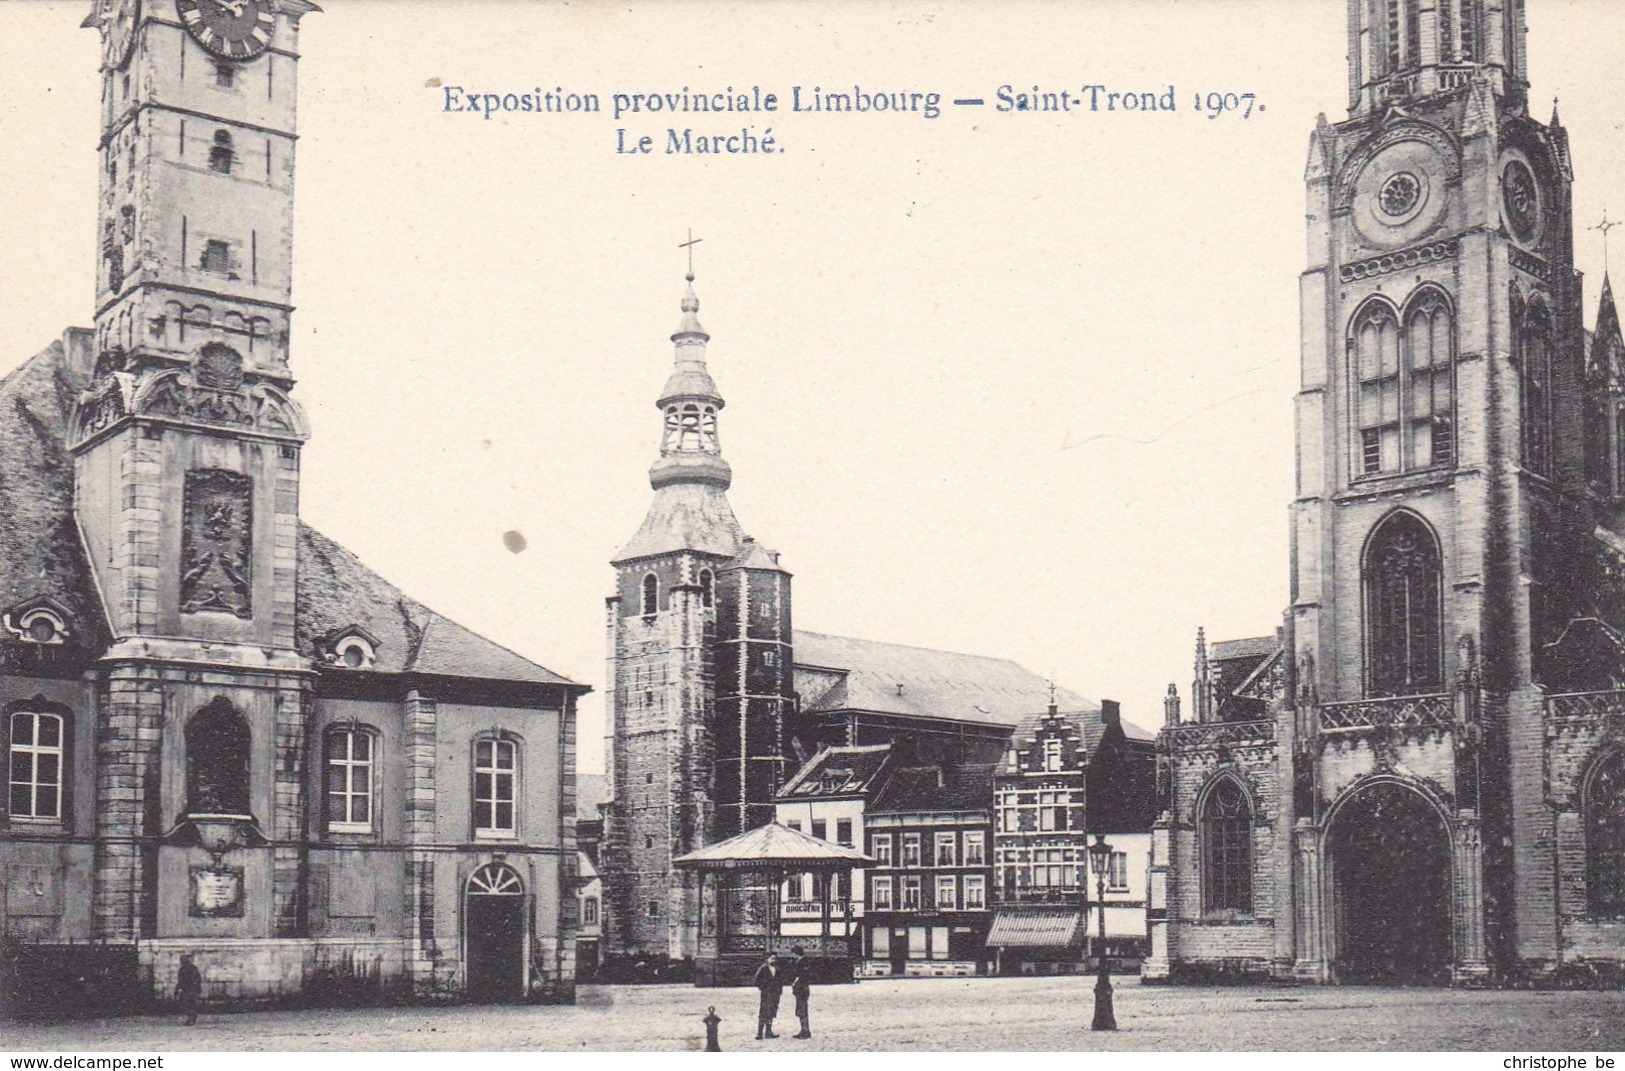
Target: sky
column 1014, row 384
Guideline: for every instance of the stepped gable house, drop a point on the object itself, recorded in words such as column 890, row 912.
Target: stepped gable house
column 226, row 736
column 1421, row 777
column 716, row 700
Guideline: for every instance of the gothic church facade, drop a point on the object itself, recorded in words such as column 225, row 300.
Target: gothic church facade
column 1421, row 777
column 226, row 737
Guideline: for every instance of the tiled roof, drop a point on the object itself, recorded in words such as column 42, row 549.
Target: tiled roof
column 1035, row 927
column 890, row 678
column 1087, row 723
column 41, row 552
column 771, row 845
column 951, row 787
column 838, row 771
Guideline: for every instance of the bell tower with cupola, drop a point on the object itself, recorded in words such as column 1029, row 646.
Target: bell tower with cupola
column 701, row 669
column 186, row 447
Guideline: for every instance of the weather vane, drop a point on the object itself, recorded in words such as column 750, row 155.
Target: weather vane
column 1605, row 226
column 689, row 245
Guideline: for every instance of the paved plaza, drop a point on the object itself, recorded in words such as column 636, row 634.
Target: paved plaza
column 913, row 1014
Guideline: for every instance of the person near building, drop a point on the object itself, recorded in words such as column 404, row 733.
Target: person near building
column 801, row 989
column 770, row 984
column 188, row 989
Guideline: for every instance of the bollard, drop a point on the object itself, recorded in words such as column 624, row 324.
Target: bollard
column 712, row 1020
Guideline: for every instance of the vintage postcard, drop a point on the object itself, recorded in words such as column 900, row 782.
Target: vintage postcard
column 812, row 526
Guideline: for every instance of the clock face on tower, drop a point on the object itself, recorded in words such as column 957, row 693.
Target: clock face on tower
column 118, row 33
column 231, row 29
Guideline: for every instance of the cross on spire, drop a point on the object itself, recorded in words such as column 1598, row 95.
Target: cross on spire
column 1605, row 226
column 689, row 245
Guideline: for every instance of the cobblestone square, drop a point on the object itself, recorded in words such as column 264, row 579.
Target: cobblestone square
column 914, row 1014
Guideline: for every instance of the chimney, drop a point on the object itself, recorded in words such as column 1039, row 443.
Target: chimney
column 1111, row 713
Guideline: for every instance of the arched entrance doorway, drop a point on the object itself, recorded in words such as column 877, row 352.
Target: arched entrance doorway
column 495, row 920
column 1389, row 852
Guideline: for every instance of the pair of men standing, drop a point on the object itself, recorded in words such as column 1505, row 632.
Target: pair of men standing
column 770, row 980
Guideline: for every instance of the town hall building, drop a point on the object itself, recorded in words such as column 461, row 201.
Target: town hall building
column 1421, row 776
column 226, row 737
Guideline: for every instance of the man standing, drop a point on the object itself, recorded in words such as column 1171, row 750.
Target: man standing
column 769, row 985
column 801, row 988
column 188, row 988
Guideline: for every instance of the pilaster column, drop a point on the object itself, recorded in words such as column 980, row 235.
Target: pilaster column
column 423, row 953
column 1310, row 902
column 128, row 746
column 1471, row 963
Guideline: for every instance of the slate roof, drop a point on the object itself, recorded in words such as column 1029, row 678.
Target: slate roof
column 1254, row 647
column 686, row 516
column 839, row 673
column 953, row 787
column 591, row 790
column 772, row 845
column 40, row 549
column 41, row 552
column 837, row 772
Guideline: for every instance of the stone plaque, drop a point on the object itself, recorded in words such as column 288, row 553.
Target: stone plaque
column 217, row 892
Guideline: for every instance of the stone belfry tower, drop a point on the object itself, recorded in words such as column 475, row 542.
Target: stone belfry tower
column 186, row 444
column 1439, row 438
column 700, row 671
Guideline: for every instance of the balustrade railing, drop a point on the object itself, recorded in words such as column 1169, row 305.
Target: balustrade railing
column 1220, row 734
column 1586, row 704
column 1404, row 712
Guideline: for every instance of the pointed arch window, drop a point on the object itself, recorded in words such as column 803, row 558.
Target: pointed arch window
column 1403, row 591
column 1227, row 849
column 217, row 761
column 650, row 603
column 1604, row 802
column 1533, row 337
column 1406, row 373
column 1403, row 30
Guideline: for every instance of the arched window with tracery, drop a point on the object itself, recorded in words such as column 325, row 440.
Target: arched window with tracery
column 1227, row 848
column 651, row 595
column 1534, row 351
column 1376, row 358
column 1403, row 590
column 1429, row 344
column 1604, row 801
column 217, row 761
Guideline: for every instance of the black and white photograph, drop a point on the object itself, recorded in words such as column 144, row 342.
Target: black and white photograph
column 836, row 525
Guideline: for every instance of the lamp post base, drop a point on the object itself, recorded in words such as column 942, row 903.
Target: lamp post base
column 1105, row 1018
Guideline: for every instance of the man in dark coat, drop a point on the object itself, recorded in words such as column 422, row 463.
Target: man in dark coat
column 801, row 988
column 770, row 985
column 188, row 988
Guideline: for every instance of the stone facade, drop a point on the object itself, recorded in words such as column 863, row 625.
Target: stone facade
column 229, row 739
column 1405, row 741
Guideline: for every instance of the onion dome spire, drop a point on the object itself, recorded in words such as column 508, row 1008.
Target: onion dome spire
column 690, row 450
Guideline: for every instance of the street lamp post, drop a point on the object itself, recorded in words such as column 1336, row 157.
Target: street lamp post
column 1100, row 854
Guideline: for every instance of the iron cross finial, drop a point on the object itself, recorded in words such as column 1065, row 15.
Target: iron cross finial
column 689, row 245
column 1605, row 226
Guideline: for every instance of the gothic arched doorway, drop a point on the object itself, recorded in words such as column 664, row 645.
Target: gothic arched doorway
column 1390, row 882
column 495, row 920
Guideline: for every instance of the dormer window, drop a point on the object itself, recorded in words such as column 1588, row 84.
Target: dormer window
column 353, row 648
column 39, row 622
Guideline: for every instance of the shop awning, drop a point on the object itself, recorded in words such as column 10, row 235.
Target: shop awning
column 1036, row 927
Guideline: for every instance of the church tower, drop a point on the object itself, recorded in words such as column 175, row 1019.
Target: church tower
column 186, row 444
column 701, row 670
column 1439, row 454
